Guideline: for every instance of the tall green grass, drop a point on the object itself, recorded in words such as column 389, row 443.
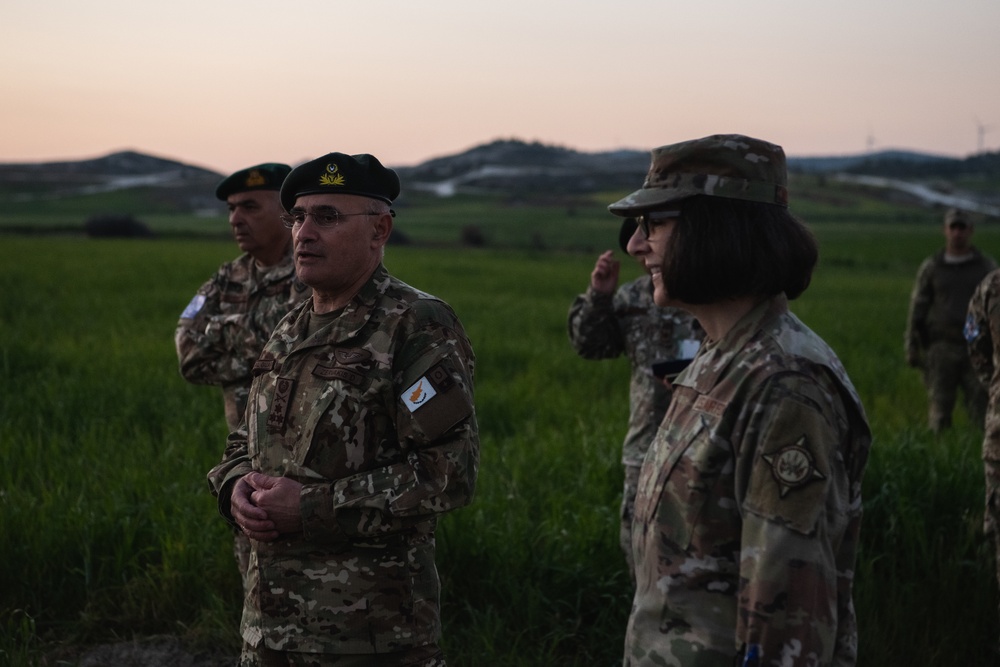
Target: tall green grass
column 107, row 528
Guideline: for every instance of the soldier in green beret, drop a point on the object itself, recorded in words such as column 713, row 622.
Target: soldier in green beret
column 360, row 434
column 748, row 509
column 223, row 329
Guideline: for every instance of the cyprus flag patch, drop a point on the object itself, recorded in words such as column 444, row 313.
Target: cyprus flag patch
column 418, row 394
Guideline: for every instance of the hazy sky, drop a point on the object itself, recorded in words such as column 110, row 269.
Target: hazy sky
column 225, row 84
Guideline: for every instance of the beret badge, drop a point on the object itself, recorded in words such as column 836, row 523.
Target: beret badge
column 331, row 177
column 255, row 179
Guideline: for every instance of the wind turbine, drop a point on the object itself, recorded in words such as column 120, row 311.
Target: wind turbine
column 980, row 134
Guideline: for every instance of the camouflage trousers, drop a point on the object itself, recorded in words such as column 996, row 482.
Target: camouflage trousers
column 629, row 490
column 421, row 656
column 946, row 369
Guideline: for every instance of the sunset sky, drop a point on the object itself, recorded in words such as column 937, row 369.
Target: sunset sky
column 224, row 84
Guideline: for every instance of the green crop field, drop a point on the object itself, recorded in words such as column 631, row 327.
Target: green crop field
column 107, row 529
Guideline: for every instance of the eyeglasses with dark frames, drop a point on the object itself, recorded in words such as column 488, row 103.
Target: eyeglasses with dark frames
column 649, row 219
column 324, row 217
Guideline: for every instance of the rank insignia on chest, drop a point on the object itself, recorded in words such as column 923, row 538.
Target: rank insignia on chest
column 279, row 404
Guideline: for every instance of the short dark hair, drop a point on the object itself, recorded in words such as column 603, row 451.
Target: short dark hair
column 725, row 248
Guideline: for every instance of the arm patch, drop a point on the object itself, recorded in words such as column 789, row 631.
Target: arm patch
column 436, row 401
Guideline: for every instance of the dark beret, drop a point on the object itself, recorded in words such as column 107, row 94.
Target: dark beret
column 267, row 176
column 340, row 174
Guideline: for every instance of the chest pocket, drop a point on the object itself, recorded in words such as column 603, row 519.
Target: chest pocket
column 323, row 417
column 349, row 426
column 687, row 496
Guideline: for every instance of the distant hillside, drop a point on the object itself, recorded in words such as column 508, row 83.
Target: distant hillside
column 164, row 185
column 512, row 166
column 136, row 183
column 847, row 163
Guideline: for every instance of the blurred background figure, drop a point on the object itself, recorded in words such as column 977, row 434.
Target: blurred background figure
column 223, row 329
column 608, row 321
column 938, row 303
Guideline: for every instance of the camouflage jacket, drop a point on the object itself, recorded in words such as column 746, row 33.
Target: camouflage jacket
column 749, row 505
column 222, row 331
column 371, row 408
column 940, row 298
column 982, row 333
column 605, row 326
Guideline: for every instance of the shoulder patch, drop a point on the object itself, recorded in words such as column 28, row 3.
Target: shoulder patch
column 971, row 330
column 418, row 394
column 193, row 307
column 793, row 467
column 436, row 401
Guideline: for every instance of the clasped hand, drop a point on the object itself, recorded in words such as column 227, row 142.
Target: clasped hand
column 266, row 507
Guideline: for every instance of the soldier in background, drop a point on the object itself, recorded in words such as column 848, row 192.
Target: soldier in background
column 982, row 333
column 748, row 511
column 608, row 321
column 360, row 434
column 222, row 331
column 938, row 304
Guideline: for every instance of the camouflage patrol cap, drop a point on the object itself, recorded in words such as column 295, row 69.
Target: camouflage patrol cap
column 956, row 216
column 336, row 174
column 267, row 176
column 721, row 165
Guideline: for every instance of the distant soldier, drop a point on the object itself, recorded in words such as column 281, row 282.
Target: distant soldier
column 982, row 332
column 938, row 304
column 608, row 321
column 222, row 331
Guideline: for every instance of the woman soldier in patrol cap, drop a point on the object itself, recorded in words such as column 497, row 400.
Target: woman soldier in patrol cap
column 749, row 501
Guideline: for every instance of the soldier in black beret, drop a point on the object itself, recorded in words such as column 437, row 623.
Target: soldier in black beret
column 223, row 329
column 363, row 433
column 267, row 176
column 337, row 173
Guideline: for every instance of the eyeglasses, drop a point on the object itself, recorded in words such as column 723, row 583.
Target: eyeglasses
column 958, row 225
column 646, row 221
column 323, row 218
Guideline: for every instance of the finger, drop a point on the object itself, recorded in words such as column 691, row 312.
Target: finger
column 259, row 481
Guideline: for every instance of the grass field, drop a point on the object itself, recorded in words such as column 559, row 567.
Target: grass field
column 107, row 529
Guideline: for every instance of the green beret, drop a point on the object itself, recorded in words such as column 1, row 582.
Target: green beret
column 267, row 176
column 722, row 165
column 340, row 174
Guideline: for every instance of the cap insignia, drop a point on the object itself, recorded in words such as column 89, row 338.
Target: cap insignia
column 255, row 179
column 331, row 177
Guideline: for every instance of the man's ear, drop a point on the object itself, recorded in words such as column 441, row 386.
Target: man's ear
column 382, row 229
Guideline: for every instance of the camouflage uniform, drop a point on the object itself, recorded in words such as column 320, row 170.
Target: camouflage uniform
column 749, row 506
column 934, row 339
column 605, row 326
column 982, row 332
column 222, row 331
column 371, row 408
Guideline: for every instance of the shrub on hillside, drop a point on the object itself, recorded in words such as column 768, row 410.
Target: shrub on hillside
column 110, row 225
